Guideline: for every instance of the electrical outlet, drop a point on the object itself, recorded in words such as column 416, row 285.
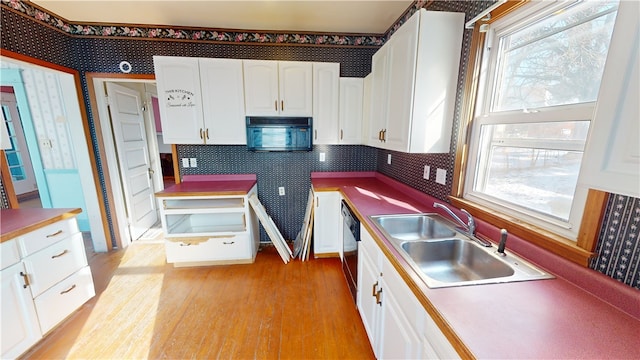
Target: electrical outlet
column 389, row 159
column 281, row 190
column 427, row 172
column 185, row 162
column 193, row 162
column 441, row 176
column 322, row 156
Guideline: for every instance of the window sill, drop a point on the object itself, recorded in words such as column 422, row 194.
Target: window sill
column 543, row 238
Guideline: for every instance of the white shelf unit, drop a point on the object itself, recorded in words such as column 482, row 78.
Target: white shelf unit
column 209, row 230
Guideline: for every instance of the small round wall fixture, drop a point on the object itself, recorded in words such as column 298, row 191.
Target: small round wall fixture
column 125, row 67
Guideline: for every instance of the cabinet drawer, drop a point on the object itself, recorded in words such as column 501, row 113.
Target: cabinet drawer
column 56, row 262
column 9, row 254
column 230, row 247
column 45, row 236
column 55, row 304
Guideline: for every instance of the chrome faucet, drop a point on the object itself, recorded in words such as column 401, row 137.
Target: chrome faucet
column 469, row 226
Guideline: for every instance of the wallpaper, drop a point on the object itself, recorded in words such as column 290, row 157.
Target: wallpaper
column 28, row 32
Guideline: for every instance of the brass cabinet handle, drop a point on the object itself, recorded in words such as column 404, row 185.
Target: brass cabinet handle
column 25, row 277
column 275, row 104
column 341, row 134
column 201, row 137
column 186, row 244
column 69, row 289
column 61, row 254
column 207, row 133
column 228, row 242
column 281, row 105
column 373, row 291
column 55, row 234
column 380, row 135
column 384, row 135
column 378, row 300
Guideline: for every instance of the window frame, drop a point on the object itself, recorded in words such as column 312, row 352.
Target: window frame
column 577, row 246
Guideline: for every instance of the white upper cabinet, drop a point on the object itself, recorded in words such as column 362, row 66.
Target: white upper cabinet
column 612, row 154
column 326, row 87
column 201, row 100
column 223, row 101
column 414, row 84
column 179, row 94
column 351, row 104
column 278, row 88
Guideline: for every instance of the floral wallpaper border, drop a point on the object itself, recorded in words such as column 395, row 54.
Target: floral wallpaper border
column 193, row 34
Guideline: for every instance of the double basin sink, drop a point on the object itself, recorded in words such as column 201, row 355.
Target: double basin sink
column 444, row 257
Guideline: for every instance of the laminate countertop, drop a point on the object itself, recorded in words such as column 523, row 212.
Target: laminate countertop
column 17, row 222
column 211, row 185
column 580, row 314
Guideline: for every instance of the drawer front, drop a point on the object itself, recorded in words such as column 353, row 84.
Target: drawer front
column 55, row 304
column 54, row 263
column 45, row 236
column 9, row 254
column 215, row 248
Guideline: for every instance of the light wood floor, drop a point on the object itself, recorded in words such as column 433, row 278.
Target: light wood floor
column 267, row 310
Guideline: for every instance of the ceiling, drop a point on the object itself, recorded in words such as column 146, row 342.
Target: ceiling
column 317, row 16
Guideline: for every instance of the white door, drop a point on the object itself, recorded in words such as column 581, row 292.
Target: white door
column 133, row 158
column 18, row 159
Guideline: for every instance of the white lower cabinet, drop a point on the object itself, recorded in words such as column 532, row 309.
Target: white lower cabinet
column 397, row 324
column 20, row 328
column 327, row 224
column 209, row 230
column 43, row 283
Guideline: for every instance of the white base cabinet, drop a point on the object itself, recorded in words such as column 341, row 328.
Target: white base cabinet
column 397, row 324
column 327, row 224
column 209, row 230
column 45, row 278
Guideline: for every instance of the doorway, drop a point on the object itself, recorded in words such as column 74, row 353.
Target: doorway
column 49, row 106
column 17, row 156
column 132, row 156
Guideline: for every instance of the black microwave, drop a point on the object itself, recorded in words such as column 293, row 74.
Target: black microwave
column 279, row 133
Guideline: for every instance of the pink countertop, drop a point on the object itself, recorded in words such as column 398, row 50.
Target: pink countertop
column 17, row 222
column 211, row 185
column 543, row 319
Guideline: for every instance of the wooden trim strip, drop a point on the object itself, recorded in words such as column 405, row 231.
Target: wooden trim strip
column 176, row 165
column 592, row 219
column 7, row 182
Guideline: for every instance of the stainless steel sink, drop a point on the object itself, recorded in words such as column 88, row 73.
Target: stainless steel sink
column 414, row 226
column 444, row 257
column 453, row 260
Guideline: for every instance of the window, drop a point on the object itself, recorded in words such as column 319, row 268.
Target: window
column 541, row 72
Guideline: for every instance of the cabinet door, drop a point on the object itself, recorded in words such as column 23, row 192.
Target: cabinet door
column 261, row 88
column 20, row 329
column 351, row 96
column 401, row 69
column 369, row 258
column 326, row 77
column 398, row 339
column 223, row 101
column 295, row 88
column 180, row 99
column 366, row 108
column 327, row 224
column 379, row 95
column 613, row 150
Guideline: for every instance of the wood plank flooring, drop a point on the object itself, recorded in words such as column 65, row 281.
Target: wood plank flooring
column 145, row 308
